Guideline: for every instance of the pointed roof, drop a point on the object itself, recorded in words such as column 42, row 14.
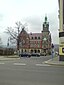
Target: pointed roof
column 23, row 31
column 45, row 18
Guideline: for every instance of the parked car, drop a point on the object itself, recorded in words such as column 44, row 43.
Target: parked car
column 35, row 54
column 25, row 55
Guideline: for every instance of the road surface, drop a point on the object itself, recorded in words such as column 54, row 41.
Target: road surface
column 30, row 71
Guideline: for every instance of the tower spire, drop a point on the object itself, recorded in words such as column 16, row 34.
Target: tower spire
column 45, row 18
column 45, row 24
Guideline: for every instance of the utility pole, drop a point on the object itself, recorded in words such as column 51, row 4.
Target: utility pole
column 7, row 46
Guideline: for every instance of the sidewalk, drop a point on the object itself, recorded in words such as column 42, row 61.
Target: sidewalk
column 55, row 61
column 13, row 57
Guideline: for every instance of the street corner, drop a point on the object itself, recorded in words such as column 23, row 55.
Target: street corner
column 47, row 62
column 56, row 63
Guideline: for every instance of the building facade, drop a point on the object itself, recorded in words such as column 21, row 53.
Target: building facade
column 61, row 30
column 36, row 42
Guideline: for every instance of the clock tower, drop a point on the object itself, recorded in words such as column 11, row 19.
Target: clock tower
column 45, row 25
column 46, row 37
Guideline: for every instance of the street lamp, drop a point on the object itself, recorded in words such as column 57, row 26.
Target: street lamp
column 7, row 45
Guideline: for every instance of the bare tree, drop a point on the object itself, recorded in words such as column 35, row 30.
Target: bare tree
column 0, row 41
column 14, row 32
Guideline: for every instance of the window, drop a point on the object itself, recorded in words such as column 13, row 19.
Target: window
column 22, row 50
column 38, row 45
column 38, row 51
column 32, row 37
column 38, row 37
column 61, row 34
column 31, row 51
column 35, row 37
column 62, row 50
column 35, row 51
column 25, row 50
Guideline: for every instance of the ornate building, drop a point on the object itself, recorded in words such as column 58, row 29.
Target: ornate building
column 46, row 37
column 36, row 42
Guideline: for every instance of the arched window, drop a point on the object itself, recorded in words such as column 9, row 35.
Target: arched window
column 35, row 51
column 32, row 37
column 38, row 37
column 31, row 51
column 38, row 51
column 25, row 50
column 35, row 37
column 22, row 50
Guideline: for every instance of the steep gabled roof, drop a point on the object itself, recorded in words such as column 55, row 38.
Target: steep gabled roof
column 23, row 32
column 35, row 35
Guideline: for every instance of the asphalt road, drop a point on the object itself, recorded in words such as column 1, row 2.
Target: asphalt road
column 30, row 71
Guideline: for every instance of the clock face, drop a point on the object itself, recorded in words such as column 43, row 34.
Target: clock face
column 44, row 39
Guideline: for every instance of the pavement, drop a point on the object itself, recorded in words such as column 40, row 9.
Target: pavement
column 54, row 61
column 3, row 58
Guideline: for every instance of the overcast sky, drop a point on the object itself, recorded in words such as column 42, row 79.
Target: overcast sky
column 31, row 12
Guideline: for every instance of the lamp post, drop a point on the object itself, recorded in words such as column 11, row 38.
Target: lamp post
column 7, row 45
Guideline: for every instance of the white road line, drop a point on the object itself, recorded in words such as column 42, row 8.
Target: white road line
column 22, row 64
column 2, row 63
column 42, row 65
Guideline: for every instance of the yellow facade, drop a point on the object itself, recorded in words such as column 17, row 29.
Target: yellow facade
column 61, row 15
column 60, row 51
column 61, row 31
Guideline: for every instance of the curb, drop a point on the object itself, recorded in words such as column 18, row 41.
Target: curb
column 6, row 59
column 50, row 62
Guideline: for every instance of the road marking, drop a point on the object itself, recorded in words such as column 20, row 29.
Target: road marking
column 45, row 61
column 22, row 64
column 42, row 65
column 2, row 63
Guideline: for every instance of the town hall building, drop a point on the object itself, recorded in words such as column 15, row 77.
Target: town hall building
column 36, row 42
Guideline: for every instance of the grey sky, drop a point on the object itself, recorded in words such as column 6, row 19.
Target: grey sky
column 31, row 12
